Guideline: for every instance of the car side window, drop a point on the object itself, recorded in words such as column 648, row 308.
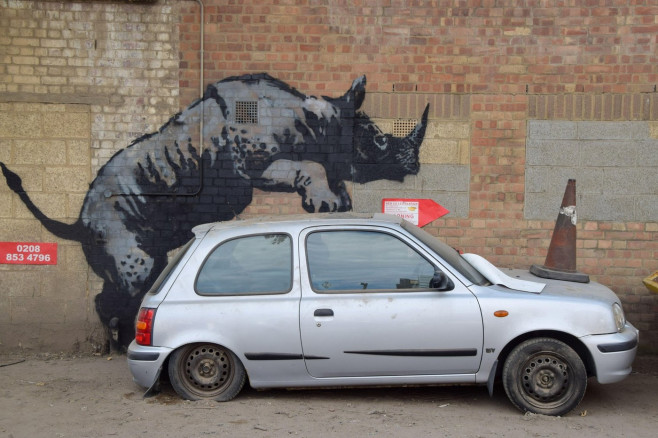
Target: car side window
column 248, row 265
column 364, row 261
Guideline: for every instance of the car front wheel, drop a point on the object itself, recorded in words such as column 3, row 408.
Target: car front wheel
column 544, row 376
column 206, row 371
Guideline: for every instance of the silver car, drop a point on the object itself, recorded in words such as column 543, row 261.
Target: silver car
column 330, row 300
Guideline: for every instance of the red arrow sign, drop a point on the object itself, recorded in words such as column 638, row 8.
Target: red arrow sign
column 417, row 211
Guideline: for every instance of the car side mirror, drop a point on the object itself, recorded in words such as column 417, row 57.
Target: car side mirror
column 441, row 282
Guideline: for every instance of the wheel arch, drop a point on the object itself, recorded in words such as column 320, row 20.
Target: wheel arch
column 164, row 375
column 567, row 338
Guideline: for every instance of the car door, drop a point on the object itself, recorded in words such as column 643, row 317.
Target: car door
column 367, row 308
column 244, row 296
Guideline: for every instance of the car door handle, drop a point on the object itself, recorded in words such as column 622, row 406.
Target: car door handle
column 323, row 312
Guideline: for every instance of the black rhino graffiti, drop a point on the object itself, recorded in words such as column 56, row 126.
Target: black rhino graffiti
column 257, row 132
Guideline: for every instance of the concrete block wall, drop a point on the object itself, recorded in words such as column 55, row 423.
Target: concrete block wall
column 498, row 77
column 613, row 162
column 49, row 145
column 78, row 81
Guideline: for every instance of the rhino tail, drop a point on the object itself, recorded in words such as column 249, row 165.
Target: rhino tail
column 59, row 229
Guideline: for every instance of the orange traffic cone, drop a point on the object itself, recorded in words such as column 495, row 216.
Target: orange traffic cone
column 560, row 262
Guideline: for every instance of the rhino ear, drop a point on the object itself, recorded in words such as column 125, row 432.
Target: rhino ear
column 357, row 93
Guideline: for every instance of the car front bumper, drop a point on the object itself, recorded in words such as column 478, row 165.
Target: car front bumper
column 146, row 362
column 613, row 354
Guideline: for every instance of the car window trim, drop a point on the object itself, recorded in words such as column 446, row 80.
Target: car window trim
column 292, row 267
column 378, row 291
column 376, row 229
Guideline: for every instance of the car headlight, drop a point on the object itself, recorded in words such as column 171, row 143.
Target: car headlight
column 620, row 319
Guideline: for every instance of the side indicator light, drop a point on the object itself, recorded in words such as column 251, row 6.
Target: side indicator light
column 501, row 313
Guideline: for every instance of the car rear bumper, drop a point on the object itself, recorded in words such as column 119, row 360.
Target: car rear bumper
column 613, row 354
column 145, row 363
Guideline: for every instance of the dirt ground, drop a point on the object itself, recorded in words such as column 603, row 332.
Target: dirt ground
column 64, row 396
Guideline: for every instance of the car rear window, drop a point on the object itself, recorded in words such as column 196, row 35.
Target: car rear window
column 258, row 264
column 164, row 275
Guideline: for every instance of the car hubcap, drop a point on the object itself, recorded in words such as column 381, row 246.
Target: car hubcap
column 207, row 370
column 545, row 379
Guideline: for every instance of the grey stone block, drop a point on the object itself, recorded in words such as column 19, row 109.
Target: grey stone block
column 628, row 181
column 542, row 206
column 409, row 183
column 646, row 208
column 614, row 167
column 612, row 130
column 588, row 181
column 548, row 129
column 444, row 177
column 607, row 208
column 647, row 153
column 370, row 201
column 552, row 152
column 456, row 203
column 534, row 180
column 608, row 153
column 553, row 179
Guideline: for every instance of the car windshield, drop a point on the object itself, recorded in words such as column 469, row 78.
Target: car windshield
column 164, row 275
column 447, row 253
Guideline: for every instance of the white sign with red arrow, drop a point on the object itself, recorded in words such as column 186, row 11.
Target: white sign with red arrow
column 417, row 211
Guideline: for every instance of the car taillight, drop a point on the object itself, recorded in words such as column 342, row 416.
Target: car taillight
column 144, row 326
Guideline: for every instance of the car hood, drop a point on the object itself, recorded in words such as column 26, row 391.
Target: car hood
column 568, row 290
column 523, row 281
column 562, row 288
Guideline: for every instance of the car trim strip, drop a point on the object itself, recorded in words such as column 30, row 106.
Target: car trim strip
column 280, row 356
column 273, row 356
column 622, row 346
column 419, row 353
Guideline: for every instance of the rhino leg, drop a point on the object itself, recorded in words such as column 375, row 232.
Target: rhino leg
column 127, row 272
column 309, row 179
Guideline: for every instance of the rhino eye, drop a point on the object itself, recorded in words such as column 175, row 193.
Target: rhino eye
column 381, row 141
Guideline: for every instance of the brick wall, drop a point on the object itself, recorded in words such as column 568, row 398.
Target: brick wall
column 509, row 64
column 488, row 69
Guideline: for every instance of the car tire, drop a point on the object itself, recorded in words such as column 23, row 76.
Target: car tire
column 206, row 371
column 544, row 376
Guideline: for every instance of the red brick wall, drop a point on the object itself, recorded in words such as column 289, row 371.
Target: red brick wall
column 517, row 60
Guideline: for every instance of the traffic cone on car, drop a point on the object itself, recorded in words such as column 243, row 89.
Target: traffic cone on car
column 560, row 262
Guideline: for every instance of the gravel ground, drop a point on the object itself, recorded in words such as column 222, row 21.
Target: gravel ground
column 94, row 396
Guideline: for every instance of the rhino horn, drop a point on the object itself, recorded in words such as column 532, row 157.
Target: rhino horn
column 415, row 137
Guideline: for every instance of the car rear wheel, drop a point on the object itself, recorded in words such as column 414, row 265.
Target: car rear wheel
column 544, row 376
column 206, row 371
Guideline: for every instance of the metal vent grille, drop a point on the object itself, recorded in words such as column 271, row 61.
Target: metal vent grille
column 402, row 127
column 246, row 111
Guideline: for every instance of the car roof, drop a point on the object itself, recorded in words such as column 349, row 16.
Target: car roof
column 306, row 219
